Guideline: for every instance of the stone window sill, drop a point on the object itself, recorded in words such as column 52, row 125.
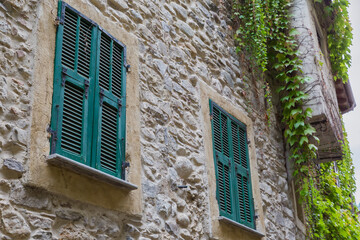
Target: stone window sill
column 239, row 225
column 64, row 162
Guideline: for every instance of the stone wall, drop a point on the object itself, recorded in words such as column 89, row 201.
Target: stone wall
column 312, row 27
column 182, row 44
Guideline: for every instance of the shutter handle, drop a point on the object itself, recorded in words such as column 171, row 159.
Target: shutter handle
column 87, row 84
column 101, row 96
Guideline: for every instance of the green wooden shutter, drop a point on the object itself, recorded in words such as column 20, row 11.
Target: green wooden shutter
column 73, row 75
column 109, row 117
column 232, row 167
column 222, row 163
column 242, row 172
column 88, row 114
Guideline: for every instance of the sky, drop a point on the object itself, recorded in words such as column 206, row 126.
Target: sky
column 352, row 119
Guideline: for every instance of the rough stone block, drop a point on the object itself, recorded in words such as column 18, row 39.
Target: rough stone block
column 14, row 224
column 14, row 166
column 184, row 167
column 119, row 4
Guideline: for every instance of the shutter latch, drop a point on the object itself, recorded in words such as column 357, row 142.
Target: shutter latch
column 63, row 71
column 101, row 96
column 87, row 84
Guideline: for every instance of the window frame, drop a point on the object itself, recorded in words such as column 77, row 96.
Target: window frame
column 90, row 125
column 234, row 172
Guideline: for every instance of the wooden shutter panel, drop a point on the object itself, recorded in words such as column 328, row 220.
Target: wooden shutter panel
column 105, row 61
column 222, row 163
column 69, row 39
column 72, row 78
column 109, row 139
column 76, row 43
column 72, row 120
column 110, row 102
column 117, row 71
column 242, row 172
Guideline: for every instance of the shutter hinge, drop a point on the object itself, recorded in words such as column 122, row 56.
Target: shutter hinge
column 63, row 76
column 127, row 66
column 248, row 141
column 211, row 117
column 101, row 96
column 248, row 174
column 87, row 84
column 54, row 138
column 124, row 165
column 57, row 21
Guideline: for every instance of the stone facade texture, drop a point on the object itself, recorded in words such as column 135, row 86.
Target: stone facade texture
column 181, row 44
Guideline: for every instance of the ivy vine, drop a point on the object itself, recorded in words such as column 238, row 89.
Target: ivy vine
column 264, row 31
column 339, row 38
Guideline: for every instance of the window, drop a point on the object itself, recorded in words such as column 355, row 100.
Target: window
column 88, row 111
column 232, row 167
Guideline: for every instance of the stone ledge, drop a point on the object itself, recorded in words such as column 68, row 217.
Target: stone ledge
column 64, row 162
column 239, row 225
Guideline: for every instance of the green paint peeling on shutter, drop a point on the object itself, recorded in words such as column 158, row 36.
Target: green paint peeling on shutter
column 232, row 167
column 88, row 114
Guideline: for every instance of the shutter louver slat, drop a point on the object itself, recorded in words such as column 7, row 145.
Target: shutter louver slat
column 225, row 137
column 117, row 70
column 216, row 127
column 104, row 69
column 227, row 188
column 108, row 149
column 235, row 142
column 243, row 148
column 247, row 200
column 69, row 35
column 72, row 124
column 241, row 198
column 224, row 188
column 222, row 197
column 84, row 48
